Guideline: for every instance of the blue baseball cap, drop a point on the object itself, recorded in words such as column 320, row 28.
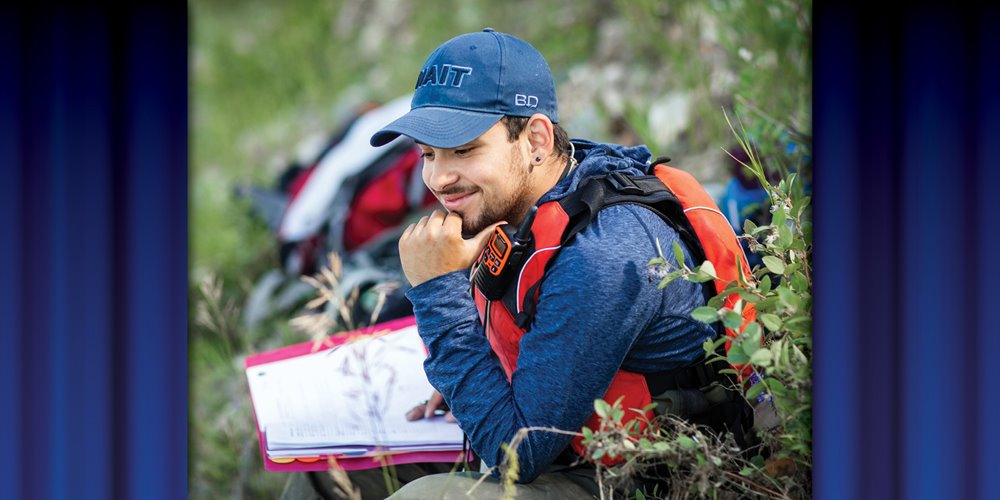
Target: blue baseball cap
column 468, row 84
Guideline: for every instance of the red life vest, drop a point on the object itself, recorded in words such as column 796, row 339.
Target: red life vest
column 678, row 198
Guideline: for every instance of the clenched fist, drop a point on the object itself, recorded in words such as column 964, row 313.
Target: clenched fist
column 434, row 246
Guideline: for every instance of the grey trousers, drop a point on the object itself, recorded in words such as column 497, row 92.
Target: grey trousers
column 431, row 481
column 370, row 482
column 462, row 485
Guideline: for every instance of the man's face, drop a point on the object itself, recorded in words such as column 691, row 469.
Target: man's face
column 484, row 181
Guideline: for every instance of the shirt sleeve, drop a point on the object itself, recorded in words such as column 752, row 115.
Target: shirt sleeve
column 595, row 301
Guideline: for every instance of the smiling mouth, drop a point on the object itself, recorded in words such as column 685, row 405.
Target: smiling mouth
column 453, row 202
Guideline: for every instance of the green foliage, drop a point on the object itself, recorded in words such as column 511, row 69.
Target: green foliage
column 777, row 346
column 774, row 43
column 768, row 45
column 698, row 464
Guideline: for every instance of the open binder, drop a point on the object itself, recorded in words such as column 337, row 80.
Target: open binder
column 346, row 398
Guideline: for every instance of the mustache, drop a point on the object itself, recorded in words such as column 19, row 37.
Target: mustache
column 455, row 190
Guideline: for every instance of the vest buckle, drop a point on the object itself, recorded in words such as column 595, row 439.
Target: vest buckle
column 624, row 183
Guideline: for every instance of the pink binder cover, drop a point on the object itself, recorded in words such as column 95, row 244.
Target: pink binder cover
column 321, row 462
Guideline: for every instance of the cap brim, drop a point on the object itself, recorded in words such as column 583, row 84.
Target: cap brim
column 437, row 127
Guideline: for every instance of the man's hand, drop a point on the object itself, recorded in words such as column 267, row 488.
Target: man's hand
column 434, row 246
column 427, row 409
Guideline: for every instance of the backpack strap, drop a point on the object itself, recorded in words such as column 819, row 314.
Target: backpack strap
column 616, row 188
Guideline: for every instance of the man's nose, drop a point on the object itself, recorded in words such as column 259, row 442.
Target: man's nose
column 439, row 174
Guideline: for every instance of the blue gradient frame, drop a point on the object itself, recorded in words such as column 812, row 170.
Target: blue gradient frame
column 905, row 118
column 93, row 252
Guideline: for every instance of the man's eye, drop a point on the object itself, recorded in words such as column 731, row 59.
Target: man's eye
column 427, row 155
column 461, row 152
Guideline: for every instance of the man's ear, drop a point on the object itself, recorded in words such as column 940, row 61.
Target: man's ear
column 541, row 136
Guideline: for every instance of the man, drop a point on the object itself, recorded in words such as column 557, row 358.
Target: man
column 485, row 116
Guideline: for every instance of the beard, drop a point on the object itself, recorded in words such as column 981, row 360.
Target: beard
column 508, row 208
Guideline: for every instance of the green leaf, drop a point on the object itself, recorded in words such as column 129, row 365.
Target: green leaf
column 749, row 347
column 776, row 387
column 602, row 408
column 678, row 255
column 686, row 442
column 748, row 226
column 668, row 278
column 767, row 304
column 778, row 219
column 755, row 391
column 746, row 471
column 711, row 345
column 737, row 356
column 752, row 333
column 784, row 236
column 757, row 460
column 803, row 204
column 656, row 261
column 765, row 284
column 761, row 358
column 774, row 264
column 800, row 325
column 740, row 280
column 699, row 277
column 639, row 495
column 708, row 346
column 799, row 282
column 588, row 434
column 705, row 314
column 789, row 298
column 732, row 287
column 771, row 321
column 708, row 268
column 748, row 295
column 732, row 319
column 717, row 302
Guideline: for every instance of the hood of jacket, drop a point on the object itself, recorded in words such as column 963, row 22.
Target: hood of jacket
column 598, row 159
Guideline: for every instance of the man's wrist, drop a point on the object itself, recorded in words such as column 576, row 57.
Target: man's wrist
column 441, row 283
column 438, row 301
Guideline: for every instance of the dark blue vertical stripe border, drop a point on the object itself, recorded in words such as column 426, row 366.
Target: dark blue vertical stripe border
column 93, row 251
column 906, row 121
column 984, row 407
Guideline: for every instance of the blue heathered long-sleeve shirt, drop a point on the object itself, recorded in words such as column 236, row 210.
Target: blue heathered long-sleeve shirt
column 599, row 310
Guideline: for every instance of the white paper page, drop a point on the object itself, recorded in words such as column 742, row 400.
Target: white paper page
column 354, row 394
